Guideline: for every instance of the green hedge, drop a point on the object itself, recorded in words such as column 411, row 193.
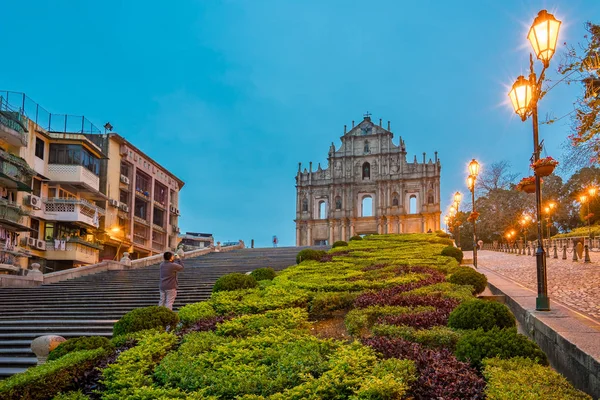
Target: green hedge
column 451, row 251
column 263, row 274
column 436, row 337
column 325, row 302
column 309, row 254
column 282, row 364
column 234, row 281
column 476, row 314
column 356, row 237
column 474, row 346
column 133, row 368
column 194, row 312
column 75, row 395
column 339, row 243
column 47, row 380
column 288, row 318
column 80, row 343
column 468, row 276
column 145, row 318
column 522, row 378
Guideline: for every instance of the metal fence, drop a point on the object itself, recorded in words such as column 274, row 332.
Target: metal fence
column 43, row 118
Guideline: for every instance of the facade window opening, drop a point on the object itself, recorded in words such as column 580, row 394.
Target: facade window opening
column 430, row 198
column 338, row 203
column 367, row 207
column 412, row 204
column 39, row 148
column 367, row 150
column 323, row 210
column 366, row 171
column 395, row 202
column 304, row 204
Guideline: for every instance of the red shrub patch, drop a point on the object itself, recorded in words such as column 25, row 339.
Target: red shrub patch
column 441, row 375
column 424, row 320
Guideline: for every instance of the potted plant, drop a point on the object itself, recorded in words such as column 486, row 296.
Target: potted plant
column 473, row 216
column 544, row 166
column 527, row 185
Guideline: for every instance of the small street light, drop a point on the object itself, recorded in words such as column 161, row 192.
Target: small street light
column 473, row 172
column 549, row 209
column 525, row 95
column 457, row 199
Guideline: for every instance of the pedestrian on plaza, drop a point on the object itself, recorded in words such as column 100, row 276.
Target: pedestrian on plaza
column 275, row 241
column 169, row 268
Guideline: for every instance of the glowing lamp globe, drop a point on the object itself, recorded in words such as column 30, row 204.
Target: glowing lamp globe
column 457, row 197
column 521, row 96
column 471, row 182
column 592, row 190
column 474, row 168
column 543, row 36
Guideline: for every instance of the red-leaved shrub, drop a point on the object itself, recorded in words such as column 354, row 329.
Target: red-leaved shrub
column 441, row 375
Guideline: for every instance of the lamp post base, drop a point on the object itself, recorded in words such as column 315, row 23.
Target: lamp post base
column 542, row 303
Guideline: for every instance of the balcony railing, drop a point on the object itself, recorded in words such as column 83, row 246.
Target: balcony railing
column 12, row 127
column 11, row 212
column 73, row 210
column 15, row 170
column 73, row 173
column 72, row 250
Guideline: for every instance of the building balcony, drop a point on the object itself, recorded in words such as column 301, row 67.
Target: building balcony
column 77, row 176
column 12, row 128
column 73, row 250
column 77, row 211
column 15, row 173
column 11, row 214
column 141, row 220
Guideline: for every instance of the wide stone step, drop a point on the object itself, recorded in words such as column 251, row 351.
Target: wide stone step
column 58, row 332
column 65, row 328
column 16, row 362
column 53, row 322
column 6, row 372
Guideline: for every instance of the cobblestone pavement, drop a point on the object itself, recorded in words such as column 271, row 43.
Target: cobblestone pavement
column 572, row 283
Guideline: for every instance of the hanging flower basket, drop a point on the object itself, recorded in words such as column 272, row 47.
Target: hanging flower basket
column 473, row 216
column 527, row 185
column 544, row 166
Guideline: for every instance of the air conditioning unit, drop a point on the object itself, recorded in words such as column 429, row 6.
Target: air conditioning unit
column 177, row 211
column 35, row 202
column 113, row 203
column 173, row 210
column 124, row 207
column 124, row 179
column 31, row 242
column 41, row 245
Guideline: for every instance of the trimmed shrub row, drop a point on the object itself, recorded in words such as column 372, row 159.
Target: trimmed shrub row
column 47, row 380
column 80, row 343
column 454, row 252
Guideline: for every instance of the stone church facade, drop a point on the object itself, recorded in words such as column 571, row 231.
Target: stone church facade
column 368, row 187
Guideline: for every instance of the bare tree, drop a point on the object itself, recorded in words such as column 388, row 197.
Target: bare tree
column 496, row 176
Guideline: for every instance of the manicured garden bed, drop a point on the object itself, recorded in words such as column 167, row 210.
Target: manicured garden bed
column 378, row 318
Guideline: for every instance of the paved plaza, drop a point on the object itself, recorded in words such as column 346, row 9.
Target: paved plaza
column 572, row 283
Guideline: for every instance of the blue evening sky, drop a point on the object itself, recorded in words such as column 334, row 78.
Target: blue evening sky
column 231, row 95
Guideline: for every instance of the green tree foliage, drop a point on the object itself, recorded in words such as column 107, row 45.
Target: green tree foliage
column 576, row 186
column 582, row 64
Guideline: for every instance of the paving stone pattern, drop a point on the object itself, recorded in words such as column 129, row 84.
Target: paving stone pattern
column 573, row 283
column 90, row 305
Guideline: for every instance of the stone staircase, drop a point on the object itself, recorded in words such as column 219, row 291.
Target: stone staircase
column 90, row 305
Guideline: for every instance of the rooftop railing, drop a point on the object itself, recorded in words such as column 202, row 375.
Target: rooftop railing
column 65, row 123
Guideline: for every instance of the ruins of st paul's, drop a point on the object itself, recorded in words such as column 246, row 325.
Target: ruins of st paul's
column 368, row 187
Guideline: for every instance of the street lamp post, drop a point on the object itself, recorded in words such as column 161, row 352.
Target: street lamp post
column 457, row 199
column 524, row 96
column 473, row 172
column 592, row 190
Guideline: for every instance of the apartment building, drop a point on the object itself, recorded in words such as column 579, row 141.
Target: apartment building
column 143, row 212
column 71, row 195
